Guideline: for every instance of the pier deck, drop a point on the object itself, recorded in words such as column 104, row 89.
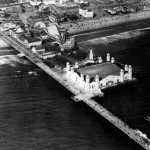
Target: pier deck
column 79, row 93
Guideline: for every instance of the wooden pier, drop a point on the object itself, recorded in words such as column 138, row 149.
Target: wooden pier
column 80, row 94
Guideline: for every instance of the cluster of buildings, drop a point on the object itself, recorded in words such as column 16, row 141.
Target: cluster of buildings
column 33, row 44
column 120, row 9
column 33, row 39
column 4, row 3
column 65, row 2
column 98, row 75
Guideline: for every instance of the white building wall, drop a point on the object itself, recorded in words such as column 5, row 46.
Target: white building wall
column 38, row 43
column 85, row 13
column 89, row 14
column 74, row 77
column 93, row 86
column 126, row 76
column 49, row 2
column 62, row 1
column 23, row 1
column 110, row 78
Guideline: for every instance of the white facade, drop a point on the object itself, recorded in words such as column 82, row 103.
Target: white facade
column 47, row 2
column 43, row 37
column 62, row 1
column 35, row 2
column 91, row 86
column 36, row 43
column 23, row 1
column 81, row 1
column 86, row 13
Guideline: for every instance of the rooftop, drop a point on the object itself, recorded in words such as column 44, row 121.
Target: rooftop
column 102, row 70
column 28, row 38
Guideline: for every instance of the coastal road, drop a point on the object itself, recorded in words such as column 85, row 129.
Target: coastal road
column 115, row 29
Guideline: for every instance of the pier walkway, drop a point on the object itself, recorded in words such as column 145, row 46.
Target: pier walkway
column 80, row 94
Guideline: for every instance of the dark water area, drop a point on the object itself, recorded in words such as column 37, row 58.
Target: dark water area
column 36, row 113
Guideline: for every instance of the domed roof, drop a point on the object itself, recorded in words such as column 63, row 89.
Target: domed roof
column 102, row 70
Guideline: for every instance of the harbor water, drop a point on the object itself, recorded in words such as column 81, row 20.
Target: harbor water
column 37, row 113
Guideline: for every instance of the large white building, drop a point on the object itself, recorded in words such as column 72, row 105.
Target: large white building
column 46, row 2
column 63, row 1
column 23, row 1
column 100, row 75
column 81, row 1
column 86, row 13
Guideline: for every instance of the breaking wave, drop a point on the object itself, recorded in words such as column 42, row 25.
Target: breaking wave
column 12, row 60
column 33, row 73
column 115, row 37
column 18, row 74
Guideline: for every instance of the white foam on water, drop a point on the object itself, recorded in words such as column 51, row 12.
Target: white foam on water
column 12, row 60
column 32, row 73
column 115, row 37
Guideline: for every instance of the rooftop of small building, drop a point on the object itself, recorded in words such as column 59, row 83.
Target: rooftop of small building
column 28, row 14
column 39, row 47
column 31, row 39
column 28, row 38
column 102, row 70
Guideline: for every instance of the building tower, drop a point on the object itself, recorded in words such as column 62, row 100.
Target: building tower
column 82, row 77
column 100, row 60
column 91, row 55
column 130, row 72
column 72, row 70
column 112, row 60
column 87, row 83
column 121, row 75
column 67, row 66
column 97, row 81
column 76, row 65
column 126, row 68
column 108, row 57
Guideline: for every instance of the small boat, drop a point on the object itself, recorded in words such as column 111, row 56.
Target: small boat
column 147, row 118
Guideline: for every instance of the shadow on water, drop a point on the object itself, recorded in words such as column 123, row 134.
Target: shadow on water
column 120, row 101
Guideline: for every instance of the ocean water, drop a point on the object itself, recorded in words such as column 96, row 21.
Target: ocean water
column 36, row 113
